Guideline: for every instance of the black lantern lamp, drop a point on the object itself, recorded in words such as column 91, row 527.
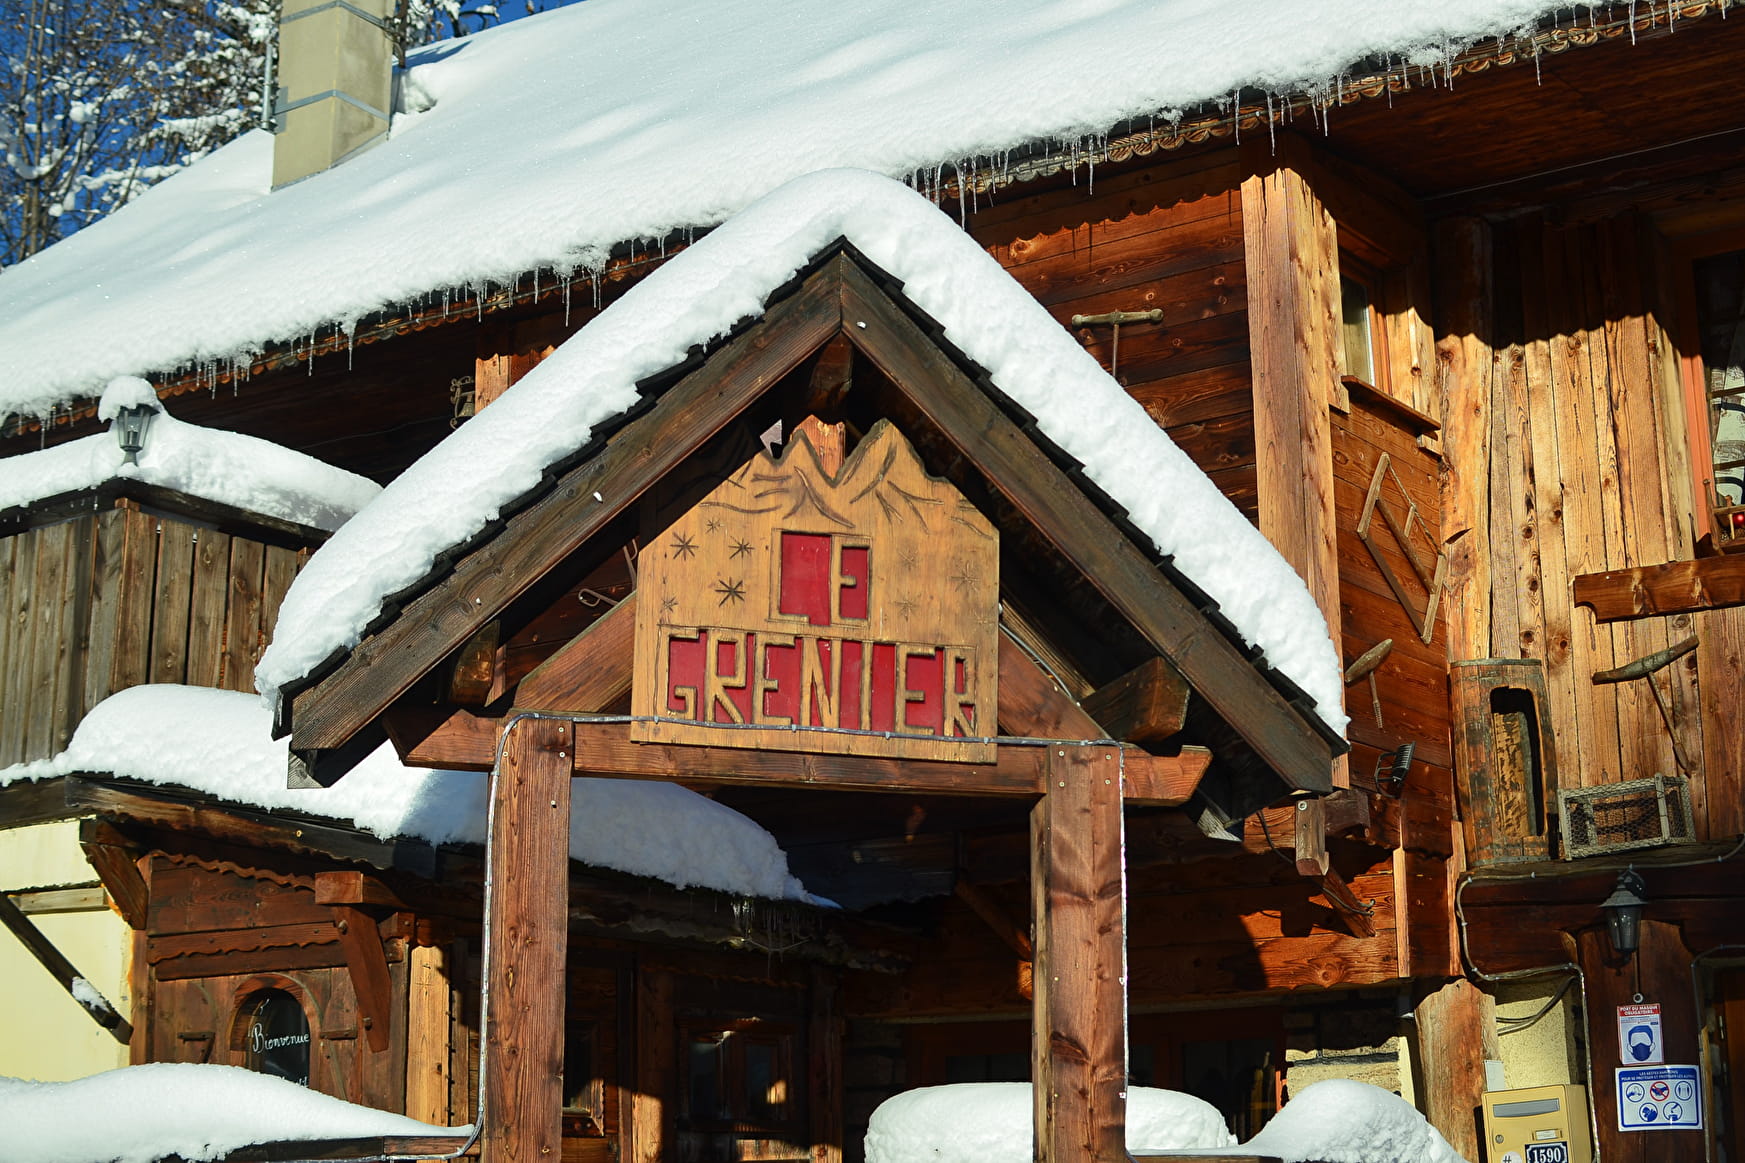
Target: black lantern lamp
column 129, row 426
column 1623, row 911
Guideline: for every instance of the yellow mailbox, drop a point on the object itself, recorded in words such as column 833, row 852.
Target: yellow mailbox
column 1537, row 1124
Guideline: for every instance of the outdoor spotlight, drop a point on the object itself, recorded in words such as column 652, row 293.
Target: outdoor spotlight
column 1623, row 911
column 129, row 428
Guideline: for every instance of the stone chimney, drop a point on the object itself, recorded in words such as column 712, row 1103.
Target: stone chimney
column 335, row 86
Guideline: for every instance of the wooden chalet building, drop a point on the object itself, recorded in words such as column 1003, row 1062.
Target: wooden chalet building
column 1464, row 341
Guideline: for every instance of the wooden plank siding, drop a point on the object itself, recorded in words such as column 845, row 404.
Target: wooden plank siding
column 1562, row 401
column 1411, row 683
column 115, row 598
column 1147, row 241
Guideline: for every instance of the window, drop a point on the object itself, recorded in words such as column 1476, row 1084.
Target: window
column 274, row 1035
column 738, row 1097
column 1357, row 328
column 1720, row 321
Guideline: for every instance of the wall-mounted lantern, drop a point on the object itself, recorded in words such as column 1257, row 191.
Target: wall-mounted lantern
column 129, row 426
column 1623, row 910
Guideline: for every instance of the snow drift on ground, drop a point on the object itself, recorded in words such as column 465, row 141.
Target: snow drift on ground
column 990, row 1122
column 546, row 141
column 220, row 743
column 225, row 467
column 457, row 488
column 139, row 1114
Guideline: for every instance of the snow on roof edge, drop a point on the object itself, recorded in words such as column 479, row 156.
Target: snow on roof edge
column 219, row 743
column 700, row 295
column 1283, row 59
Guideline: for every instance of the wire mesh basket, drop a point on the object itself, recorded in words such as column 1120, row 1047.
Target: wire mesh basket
column 1616, row 817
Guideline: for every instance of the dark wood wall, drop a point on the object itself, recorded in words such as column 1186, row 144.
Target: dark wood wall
column 1158, row 238
column 120, row 597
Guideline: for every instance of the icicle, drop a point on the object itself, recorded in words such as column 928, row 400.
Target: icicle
column 1271, row 128
column 566, row 300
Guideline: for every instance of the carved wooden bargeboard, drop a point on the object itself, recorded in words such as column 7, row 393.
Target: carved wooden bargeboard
column 792, row 611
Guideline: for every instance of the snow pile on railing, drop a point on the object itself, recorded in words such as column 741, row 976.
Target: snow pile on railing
column 139, row 1114
column 220, row 743
column 544, row 143
column 1335, row 1121
column 499, row 455
column 226, row 467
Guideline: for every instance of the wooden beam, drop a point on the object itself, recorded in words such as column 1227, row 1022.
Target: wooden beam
column 1148, row 704
column 606, row 749
column 529, row 931
column 351, row 887
column 588, row 673
column 539, row 537
column 113, row 858
column 453, row 739
column 1162, row 781
column 368, row 967
column 1673, row 587
column 1280, row 736
column 1078, row 1033
column 52, row 959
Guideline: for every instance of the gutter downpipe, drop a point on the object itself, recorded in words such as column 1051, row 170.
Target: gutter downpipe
column 1521, row 974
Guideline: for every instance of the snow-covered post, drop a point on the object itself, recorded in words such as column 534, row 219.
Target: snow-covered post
column 528, row 940
column 1078, row 1035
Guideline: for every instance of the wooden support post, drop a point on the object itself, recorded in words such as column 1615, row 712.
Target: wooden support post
column 428, row 1020
column 657, row 1071
column 1456, row 1033
column 1294, row 334
column 824, row 1070
column 529, row 930
column 1078, row 1041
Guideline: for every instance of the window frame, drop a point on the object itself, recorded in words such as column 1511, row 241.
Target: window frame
column 1693, row 383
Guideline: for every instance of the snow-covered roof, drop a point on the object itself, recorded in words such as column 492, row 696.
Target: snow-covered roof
column 220, row 743
column 249, row 474
column 1333, row 1121
column 140, row 1114
column 543, row 143
column 455, row 490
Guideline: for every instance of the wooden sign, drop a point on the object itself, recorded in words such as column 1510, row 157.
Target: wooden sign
column 855, row 614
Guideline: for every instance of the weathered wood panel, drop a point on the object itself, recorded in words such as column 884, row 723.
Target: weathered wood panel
column 1569, row 462
column 108, row 600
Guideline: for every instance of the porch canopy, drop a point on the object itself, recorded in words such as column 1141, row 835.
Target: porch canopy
column 975, row 567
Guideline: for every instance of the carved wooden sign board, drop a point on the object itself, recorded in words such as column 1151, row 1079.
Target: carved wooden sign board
column 795, row 611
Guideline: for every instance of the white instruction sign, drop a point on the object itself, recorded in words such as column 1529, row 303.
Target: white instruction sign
column 1660, row 1098
column 1639, row 1042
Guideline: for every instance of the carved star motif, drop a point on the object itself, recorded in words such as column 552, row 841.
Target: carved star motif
column 909, row 557
column 712, row 525
column 741, row 547
column 667, row 605
column 906, row 605
column 965, row 580
column 683, row 546
column 734, row 590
